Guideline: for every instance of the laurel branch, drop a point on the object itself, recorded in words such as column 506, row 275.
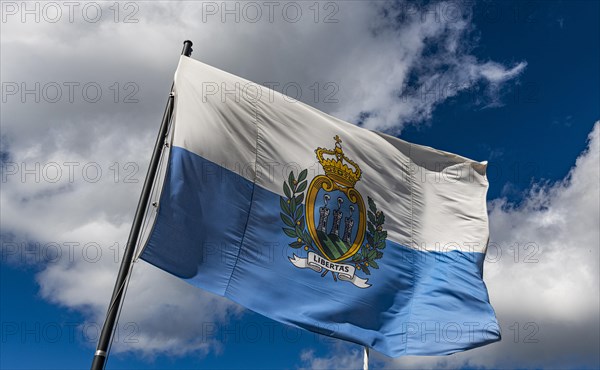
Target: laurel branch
column 292, row 211
column 372, row 250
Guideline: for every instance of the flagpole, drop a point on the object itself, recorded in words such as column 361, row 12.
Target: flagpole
column 366, row 358
column 119, row 288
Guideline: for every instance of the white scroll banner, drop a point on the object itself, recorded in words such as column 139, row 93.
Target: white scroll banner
column 317, row 263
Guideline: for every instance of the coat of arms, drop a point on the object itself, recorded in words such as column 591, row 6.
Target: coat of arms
column 329, row 220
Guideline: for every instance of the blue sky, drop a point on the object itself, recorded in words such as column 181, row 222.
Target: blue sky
column 528, row 109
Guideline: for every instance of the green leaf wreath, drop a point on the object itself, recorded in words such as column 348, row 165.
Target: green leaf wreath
column 372, row 249
column 292, row 211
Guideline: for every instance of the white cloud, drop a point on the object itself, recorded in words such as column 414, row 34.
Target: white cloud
column 160, row 315
column 497, row 73
column 368, row 54
column 545, row 296
column 352, row 359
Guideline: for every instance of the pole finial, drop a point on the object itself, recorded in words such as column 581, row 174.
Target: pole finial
column 187, row 48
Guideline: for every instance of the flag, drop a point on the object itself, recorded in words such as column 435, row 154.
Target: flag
column 318, row 223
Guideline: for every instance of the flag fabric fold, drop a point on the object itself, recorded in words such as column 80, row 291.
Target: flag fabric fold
column 321, row 224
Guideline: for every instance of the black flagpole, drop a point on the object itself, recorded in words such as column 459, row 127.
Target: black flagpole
column 117, row 296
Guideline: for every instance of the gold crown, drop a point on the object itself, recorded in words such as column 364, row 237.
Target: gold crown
column 335, row 168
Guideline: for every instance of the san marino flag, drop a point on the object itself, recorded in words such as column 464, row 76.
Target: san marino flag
column 318, row 223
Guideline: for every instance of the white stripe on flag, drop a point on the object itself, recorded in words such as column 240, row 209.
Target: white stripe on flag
column 434, row 200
